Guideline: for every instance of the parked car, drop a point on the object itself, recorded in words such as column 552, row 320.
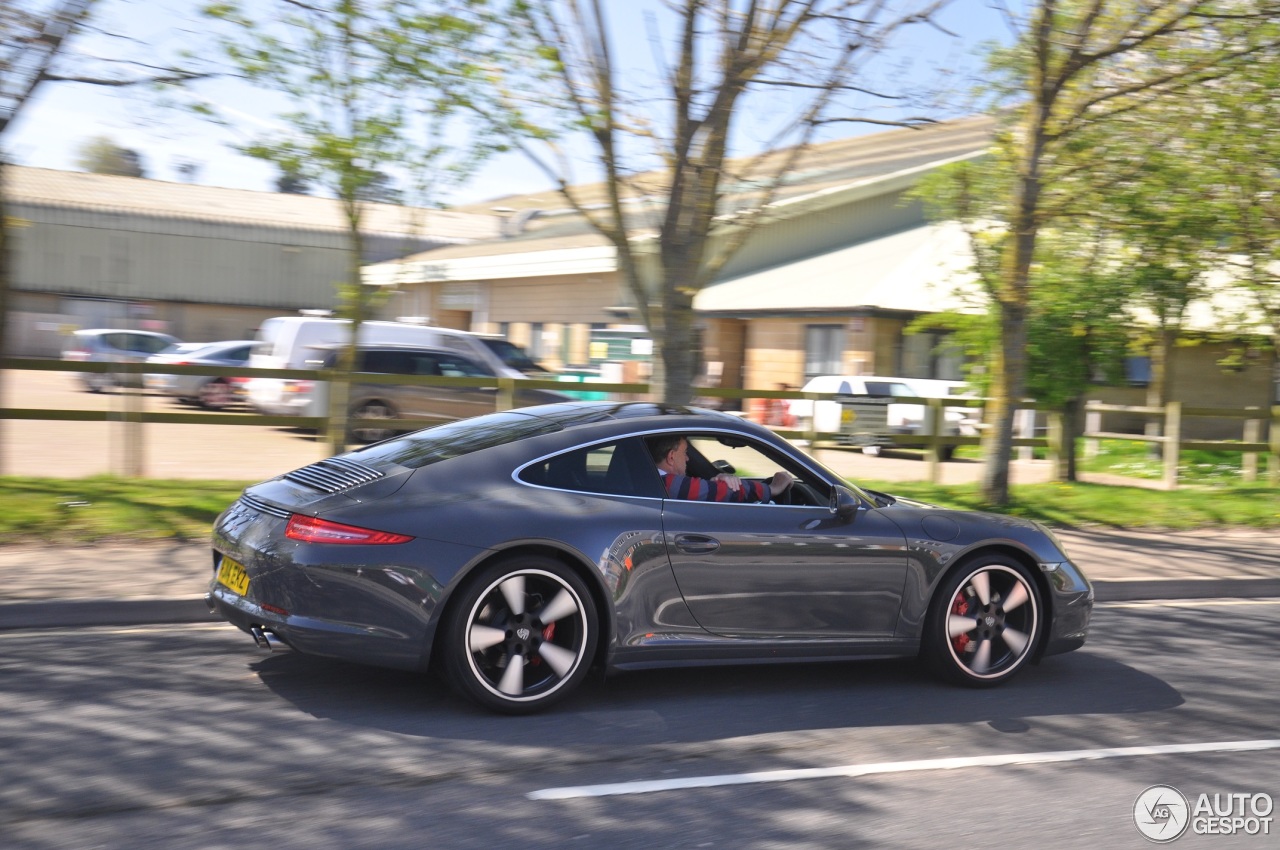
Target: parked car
column 371, row 402
column 292, row 342
column 887, row 417
column 105, row 345
column 209, row 391
column 519, row 549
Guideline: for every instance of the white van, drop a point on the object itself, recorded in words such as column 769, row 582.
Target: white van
column 902, row 418
column 303, row 342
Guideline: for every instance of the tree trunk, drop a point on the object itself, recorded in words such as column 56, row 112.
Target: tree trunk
column 354, row 298
column 1072, row 421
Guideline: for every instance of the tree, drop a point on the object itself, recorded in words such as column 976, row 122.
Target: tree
column 361, row 87
column 292, row 183
column 681, row 191
column 101, row 155
column 1077, row 322
column 1078, row 66
column 1239, row 148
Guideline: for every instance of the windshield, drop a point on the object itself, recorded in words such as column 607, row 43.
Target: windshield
column 513, row 355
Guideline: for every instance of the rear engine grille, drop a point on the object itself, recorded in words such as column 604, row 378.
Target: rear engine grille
column 333, row 475
column 263, row 508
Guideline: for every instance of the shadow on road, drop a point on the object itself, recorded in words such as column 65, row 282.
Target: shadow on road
column 703, row 704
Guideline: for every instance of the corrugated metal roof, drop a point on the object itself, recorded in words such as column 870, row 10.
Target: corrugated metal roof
column 916, row 270
column 109, row 193
column 829, row 168
column 823, row 165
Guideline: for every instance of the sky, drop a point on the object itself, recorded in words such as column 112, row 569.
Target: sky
column 63, row 117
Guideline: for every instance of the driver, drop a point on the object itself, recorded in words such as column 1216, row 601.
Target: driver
column 671, row 454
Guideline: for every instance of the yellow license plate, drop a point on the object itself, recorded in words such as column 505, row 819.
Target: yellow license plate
column 233, row 575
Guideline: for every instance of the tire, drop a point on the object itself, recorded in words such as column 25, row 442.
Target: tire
column 96, row 383
column 215, row 395
column 497, row 622
column 983, row 643
column 947, row 453
column 370, row 412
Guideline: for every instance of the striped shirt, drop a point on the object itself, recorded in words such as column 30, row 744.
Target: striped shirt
column 711, row 490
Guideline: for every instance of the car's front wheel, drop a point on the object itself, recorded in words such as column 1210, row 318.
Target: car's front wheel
column 985, row 622
column 215, row 395
column 521, row 635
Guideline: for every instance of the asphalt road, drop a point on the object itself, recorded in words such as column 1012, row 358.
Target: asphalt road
column 188, row 737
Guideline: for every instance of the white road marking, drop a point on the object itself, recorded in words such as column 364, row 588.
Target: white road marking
column 852, row 770
column 1186, row 603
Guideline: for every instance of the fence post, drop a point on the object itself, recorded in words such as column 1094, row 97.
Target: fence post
column 1055, row 420
column 932, row 418
column 506, row 393
column 1273, row 457
column 1025, row 426
column 1092, row 425
column 1249, row 461
column 1172, row 443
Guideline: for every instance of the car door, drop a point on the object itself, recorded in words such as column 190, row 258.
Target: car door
column 784, row 571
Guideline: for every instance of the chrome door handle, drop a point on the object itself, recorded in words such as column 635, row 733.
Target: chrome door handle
column 696, row 544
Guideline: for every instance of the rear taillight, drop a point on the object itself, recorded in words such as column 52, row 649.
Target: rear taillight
column 311, row 529
column 298, row 386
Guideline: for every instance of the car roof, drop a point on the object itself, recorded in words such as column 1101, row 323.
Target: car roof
column 388, row 346
column 88, row 331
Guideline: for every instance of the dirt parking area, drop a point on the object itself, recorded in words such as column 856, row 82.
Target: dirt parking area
column 79, row 449
column 253, row 453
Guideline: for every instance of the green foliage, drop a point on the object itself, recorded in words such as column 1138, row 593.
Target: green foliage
column 88, row 510
column 1080, row 505
column 104, row 508
column 101, row 155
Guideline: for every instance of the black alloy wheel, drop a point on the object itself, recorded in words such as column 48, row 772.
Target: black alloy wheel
column 985, row 622
column 364, row 427
column 521, row 635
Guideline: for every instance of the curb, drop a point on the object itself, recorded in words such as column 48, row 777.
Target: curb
column 116, row 612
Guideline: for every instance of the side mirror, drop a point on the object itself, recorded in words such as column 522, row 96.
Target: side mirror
column 844, row 504
column 724, row 466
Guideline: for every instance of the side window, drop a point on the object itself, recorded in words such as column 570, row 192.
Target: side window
column 425, row 364
column 710, row 455
column 459, row 367
column 120, row 342
column 618, row 469
column 386, row 362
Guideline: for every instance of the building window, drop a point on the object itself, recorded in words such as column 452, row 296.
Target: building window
column 823, row 350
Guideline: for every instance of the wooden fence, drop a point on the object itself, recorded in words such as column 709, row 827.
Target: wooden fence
column 759, row 404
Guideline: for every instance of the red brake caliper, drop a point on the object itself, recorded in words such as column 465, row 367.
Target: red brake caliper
column 547, row 631
column 960, row 607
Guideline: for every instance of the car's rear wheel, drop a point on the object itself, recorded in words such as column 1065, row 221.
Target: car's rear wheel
column 215, row 394
column 364, row 428
column 521, row 635
column 985, row 622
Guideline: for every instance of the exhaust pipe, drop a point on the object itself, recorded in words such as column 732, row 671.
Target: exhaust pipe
column 260, row 638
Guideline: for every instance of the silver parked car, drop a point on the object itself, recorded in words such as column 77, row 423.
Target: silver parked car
column 107, row 345
column 209, row 391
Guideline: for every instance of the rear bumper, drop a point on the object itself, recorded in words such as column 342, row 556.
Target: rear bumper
column 359, row 643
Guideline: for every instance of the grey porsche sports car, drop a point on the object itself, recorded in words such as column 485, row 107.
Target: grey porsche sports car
column 519, row 550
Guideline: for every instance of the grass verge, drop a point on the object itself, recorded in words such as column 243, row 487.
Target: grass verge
column 107, row 509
